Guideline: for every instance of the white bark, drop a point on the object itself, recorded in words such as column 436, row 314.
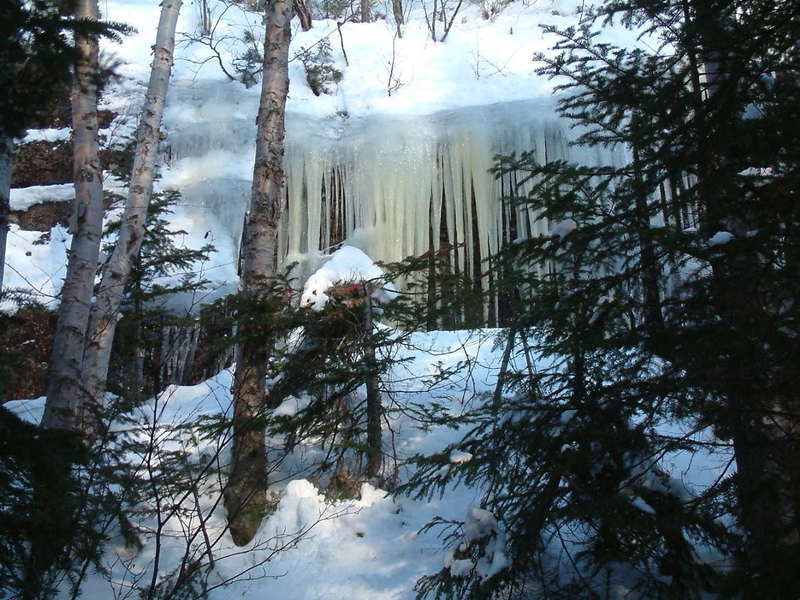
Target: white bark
column 116, row 272
column 6, row 158
column 245, row 496
column 64, row 409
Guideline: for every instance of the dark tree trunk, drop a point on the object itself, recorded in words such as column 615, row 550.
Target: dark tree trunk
column 767, row 487
column 374, row 409
column 650, row 274
column 6, row 160
column 397, row 9
column 303, row 13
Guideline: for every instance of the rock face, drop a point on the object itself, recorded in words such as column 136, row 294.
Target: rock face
column 43, row 216
column 28, row 337
column 42, row 163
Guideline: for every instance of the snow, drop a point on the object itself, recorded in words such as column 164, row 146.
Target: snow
column 24, row 198
column 313, row 546
column 430, row 133
column 643, row 506
column 453, row 106
column 36, row 262
column 29, row 410
column 563, row 228
column 480, row 524
column 367, row 548
column 47, row 135
column 458, row 457
column 347, row 265
column 720, row 238
column 34, row 267
column 433, row 131
column 482, row 62
column 291, row 406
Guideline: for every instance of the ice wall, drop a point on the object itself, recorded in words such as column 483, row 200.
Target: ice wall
column 392, row 185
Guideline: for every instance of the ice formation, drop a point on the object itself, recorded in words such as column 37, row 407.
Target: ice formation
column 392, row 186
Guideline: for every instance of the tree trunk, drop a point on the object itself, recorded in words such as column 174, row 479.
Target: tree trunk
column 205, row 18
column 303, row 13
column 245, row 495
column 63, row 409
column 366, row 11
column 766, row 492
column 650, row 272
column 397, row 9
column 116, row 272
column 6, row 158
column 374, row 409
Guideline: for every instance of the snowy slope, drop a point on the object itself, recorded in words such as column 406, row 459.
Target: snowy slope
column 481, row 62
column 317, row 548
column 368, row 548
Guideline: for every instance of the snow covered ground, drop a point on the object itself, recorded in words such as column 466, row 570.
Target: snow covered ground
column 368, row 548
column 318, row 547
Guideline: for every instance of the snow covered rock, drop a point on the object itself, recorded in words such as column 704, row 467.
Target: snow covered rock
column 347, row 265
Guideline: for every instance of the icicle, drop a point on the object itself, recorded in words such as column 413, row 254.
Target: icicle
column 392, row 185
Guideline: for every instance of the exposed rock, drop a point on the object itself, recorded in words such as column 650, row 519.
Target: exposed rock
column 42, row 163
column 28, row 336
column 43, row 216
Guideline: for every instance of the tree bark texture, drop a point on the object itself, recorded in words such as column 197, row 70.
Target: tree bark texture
column 303, row 13
column 6, row 159
column 65, row 390
column 245, row 495
column 649, row 265
column 397, row 9
column 116, row 272
column 366, row 11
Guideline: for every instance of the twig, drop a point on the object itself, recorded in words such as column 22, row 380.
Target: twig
column 341, row 42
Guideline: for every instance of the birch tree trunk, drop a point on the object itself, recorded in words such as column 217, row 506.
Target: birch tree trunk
column 6, row 158
column 245, row 494
column 116, row 272
column 63, row 409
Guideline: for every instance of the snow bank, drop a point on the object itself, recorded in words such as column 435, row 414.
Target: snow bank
column 34, row 265
column 24, row 198
column 47, row 135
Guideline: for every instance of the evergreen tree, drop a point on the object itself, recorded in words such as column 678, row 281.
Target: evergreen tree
column 665, row 299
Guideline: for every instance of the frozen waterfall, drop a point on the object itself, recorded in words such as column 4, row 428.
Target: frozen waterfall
column 392, row 185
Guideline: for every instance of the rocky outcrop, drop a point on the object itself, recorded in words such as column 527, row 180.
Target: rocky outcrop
column 27, row 337
column 43, row 216
column 42, row 163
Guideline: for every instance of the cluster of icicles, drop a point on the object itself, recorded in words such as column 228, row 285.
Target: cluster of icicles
column 392, row 186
